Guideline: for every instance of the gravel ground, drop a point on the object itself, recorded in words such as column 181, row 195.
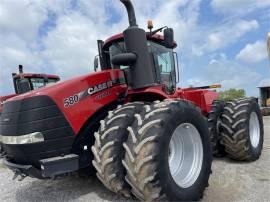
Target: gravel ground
column 230, row 181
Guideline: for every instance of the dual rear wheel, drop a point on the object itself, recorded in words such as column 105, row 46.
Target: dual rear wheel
column 242, row 131
column 163, row 151
column 160, row 152
column 236, row 129
column 170, row 156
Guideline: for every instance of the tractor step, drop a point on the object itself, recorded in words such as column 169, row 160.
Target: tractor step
column 50, row 167
column 59, row 165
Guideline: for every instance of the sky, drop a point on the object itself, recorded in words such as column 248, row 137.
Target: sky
column 219, row 41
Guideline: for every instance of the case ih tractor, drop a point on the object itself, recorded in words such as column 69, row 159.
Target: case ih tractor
column 144, row 136
column 26, row 82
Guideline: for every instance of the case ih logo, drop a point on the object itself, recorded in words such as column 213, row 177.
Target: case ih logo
column 91, row 91
column 100, row 87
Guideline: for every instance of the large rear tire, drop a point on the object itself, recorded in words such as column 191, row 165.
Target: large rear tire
column 168, row 154
column 214, row 124
column 108, row 148
column 242, row 129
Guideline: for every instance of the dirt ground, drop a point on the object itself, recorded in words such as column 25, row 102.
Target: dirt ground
column 230, row 181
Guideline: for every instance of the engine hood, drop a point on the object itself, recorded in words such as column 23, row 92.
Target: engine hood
column 53, row 89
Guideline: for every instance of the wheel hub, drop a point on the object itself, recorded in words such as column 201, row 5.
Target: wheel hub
column 254, row 130
column 185, row 155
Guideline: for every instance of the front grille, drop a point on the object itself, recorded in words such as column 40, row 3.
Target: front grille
column 36, row 114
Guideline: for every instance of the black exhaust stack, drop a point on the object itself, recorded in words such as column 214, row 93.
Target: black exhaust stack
column 131, row 13
column 20, row 69
column 142, row 69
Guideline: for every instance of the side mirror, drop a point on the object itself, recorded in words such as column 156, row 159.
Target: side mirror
column 169, row 37
column 23, row 86
column 96, row 63
column 124, row 59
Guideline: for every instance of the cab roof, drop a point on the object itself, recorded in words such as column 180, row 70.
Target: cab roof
column 118, row 37
column 31, row 75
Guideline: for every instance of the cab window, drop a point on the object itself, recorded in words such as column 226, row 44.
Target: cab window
column 37, row 83
column 164, row 64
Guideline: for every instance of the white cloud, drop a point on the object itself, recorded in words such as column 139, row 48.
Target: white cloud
column 19, row 28
column 15, row 51
column 253, row 53
column 196, row 82
column 68, row 48
column 229, row 74
column 71, row 46
column 238, row 6
column 232, row 74
column 21, row 22
column 209, row 39
column 228, row 33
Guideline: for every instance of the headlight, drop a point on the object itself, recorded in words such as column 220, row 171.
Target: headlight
column 23, row 139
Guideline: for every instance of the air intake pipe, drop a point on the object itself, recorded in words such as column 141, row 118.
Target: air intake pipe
column 141, row 67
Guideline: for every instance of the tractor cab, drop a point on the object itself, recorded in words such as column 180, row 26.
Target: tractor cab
column 26, row 82
column 147, row 58
column 163, row 59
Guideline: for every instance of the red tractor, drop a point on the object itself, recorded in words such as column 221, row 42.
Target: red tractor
column 26, row 82
column 144, row 136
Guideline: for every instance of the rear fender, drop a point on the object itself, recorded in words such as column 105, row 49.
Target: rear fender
column 150, row 94
column 201, row 98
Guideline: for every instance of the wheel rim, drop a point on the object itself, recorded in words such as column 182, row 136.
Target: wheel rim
column 185, row 155
column 254, row 130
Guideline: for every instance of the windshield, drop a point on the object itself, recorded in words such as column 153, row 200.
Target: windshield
column 163, row 59
column 35, row 83
column 41, row 82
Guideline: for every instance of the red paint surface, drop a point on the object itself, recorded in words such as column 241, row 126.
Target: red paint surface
column 80, row 112
column 200, row 97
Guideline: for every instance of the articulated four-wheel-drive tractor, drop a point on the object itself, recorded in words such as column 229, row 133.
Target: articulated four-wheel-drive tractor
column 25, row 82
column 144, row 136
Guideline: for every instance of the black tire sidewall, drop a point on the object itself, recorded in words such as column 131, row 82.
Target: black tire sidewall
column 218, row 107
column 172, row 190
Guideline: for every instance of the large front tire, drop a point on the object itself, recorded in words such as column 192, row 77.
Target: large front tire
column 242, row 129
column 168, row 154
column 108, row 150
